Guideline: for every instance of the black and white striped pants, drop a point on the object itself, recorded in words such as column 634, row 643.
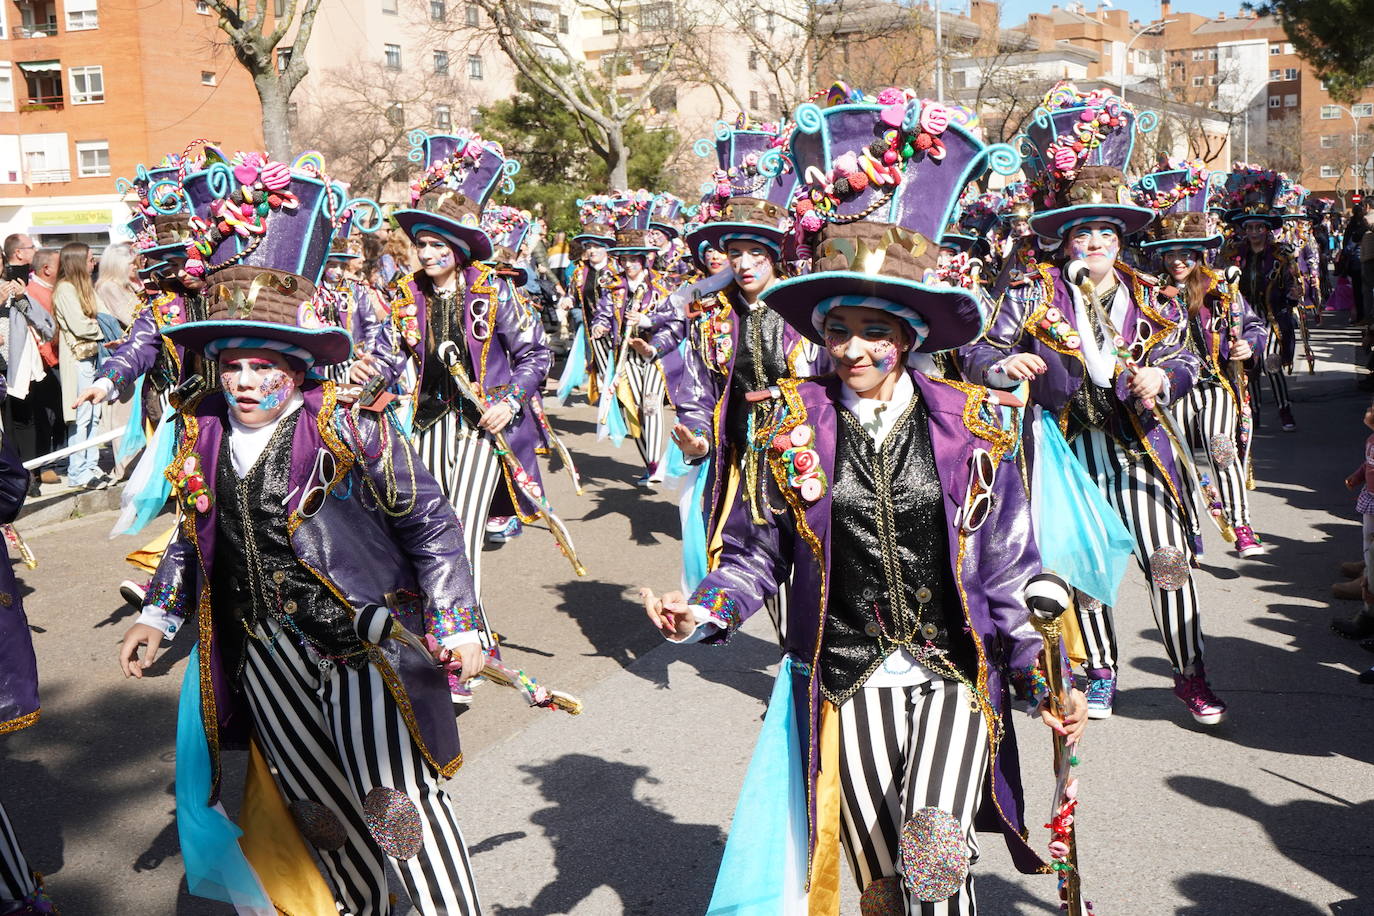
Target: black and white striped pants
column 1140, row 496
column 334, row 736
column 1277, row 352
column 16, row 879
column 648, row 388
column 903, row 749
column 465, row 463
column 600, row 355
column 1209, row 418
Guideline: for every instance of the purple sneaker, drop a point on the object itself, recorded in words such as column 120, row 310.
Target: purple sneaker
column 1101, row 692
column 1193, row 689
column 1247, row 544
column 458, row 691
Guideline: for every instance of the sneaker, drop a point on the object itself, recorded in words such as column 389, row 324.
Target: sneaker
column 458, row 692
column 1286, row 418
column 48, row 475
column 496, row 523
column 644, row 480
column 1101, row 692
column 1247, row 545
column 1193, row 689
column 510, row 528
column 133, row 593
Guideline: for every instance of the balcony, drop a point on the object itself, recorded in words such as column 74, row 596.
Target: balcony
column 42, row 103
column 43, row 30
column 49, row 176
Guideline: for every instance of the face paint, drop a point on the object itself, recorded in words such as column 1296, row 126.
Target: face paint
column 276, row 386
column 885, row 355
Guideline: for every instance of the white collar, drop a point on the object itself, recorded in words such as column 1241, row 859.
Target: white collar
column 879, row 417
column 247, row 443
column 34, row 278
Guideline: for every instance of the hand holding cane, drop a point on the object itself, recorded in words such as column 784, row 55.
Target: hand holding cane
column 448, row 352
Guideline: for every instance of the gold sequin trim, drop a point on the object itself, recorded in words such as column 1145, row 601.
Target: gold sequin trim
column 398, row 693
column 14, row 725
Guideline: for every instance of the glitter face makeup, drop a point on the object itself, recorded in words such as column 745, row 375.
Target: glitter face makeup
column 866, row 348
column 258, row 384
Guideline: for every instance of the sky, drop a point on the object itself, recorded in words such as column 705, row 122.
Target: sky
column 1014, row 11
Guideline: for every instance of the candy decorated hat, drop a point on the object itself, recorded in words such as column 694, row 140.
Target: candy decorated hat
column 1292, row 198
column 631, row 214
column 751, row 189
column 1251, row 193
column 161, row 223
column 462, row 171
column 507, row 228
column 1082, row 143
column 341, row 246
column 880, row 180
column 260, row 232
column 668, row 215
column 1179, row 194
column 1018, row 200
column 596, row 213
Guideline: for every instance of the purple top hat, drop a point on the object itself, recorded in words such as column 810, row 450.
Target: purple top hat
column 750, row 192
column 632, row 213
column 1291, row 198
column 667, row 215
column 880, row 181
column 160, row 226
column 260, row 233
column 1178, row 195
column 462, row 171
column 507, row 228
column 1082, row 145
column 596, row 213
column 1250, row 193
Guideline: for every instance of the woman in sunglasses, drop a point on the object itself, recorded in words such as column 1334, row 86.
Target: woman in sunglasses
column 1101, row 350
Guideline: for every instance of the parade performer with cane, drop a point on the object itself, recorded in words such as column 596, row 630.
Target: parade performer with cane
column 309, row 533
column 1223, row 332
column 906, row 539
column 589, row 355
column 1101, row 351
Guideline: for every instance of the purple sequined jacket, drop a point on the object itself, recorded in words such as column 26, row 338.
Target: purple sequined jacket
column 360, row 552
column 990, row 566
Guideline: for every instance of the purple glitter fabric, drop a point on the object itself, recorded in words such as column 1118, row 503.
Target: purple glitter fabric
column 934, row 855
column 320, row 827
column 393, row 821
column 1223, row 450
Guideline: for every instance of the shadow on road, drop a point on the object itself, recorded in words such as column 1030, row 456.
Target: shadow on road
column 617, row 839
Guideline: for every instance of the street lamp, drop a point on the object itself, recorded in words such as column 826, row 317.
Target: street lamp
column 1152, row 27
column 1356, row 167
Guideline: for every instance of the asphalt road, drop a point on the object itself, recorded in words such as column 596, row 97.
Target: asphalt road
column 625, row 809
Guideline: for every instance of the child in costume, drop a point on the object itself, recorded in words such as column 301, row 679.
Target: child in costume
column 324, row 573
column 905, row 536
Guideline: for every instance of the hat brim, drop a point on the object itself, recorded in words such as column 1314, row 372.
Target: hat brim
column 588, row 238
column 468, row 238
column 1237, row 218
column 718, row 235
column 342, row 256
column 329, row 346
column 630, row 252
column 151, row 267
column 956, row 241
column 954, row 316
column 163, row 252
column 671, row 231
column 1211, row 241
column 1052, row 224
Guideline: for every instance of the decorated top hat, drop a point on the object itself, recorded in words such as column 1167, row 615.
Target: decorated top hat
column 1018, row 201
column 161, row 225
column 462, row 171
column 1292, row 198
column 1316, row 208
column 340, row 247
column 881, row 179
column 596, row 213
column 1179, row 194
column 1250, row 193
column 507, row 228
column 751, row 189
column 260, row 233
column 668, row 214
column 631, row 213
column 1083, row 143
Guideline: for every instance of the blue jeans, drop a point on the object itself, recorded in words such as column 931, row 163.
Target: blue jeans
column 84, row 466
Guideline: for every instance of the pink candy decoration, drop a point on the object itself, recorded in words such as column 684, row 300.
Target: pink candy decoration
column 892, row 115
column 1065, row 159
column 275, row 176
column 934, row 118
column 892, row 96
column 811, row 489
column 811, row 221
column 805, row 461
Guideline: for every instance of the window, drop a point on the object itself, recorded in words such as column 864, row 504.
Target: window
column 1330, row 112
column 438, row 12
column 81, row 15
column 1197, row 81
column 474, row 67
column 88, row 85
column 396, row 114
column 1199, row 54
column 1321, row 84
column 753, row 59
column 1329, row 141
column 1290, row 100
column 441, row 63
column 1275, row 101
column 45, row 157
column 1288, row 47
column 443, row 118
column 1211, row 53
column 279, row 8
column 1213, row 79
column 202, row 7
column 1290, row 73
column 207, row 78
column 92, row 158
column 1363, row 110
column 6, row 87
column 393, row 57
column 609, row 25
column 1331, row 171
column 562, row 24
column 283, row 59
column 753, row 101
column 1275, row 75
column 470, row 14
column 1276, row 49
column 657, row 16
column 389, row 7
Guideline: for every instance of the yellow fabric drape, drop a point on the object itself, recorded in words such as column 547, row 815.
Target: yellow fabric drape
column 823, row 897
column 274, row 847
column 149, row 555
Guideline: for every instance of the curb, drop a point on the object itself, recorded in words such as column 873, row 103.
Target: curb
column 68, row 504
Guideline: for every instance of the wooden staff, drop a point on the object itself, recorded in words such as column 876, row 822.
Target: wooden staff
column 448, row 352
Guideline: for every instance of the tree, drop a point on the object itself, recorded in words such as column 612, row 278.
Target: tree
column 276, row 72
column 1333, row 36
column 614, row 84
column 549, row 141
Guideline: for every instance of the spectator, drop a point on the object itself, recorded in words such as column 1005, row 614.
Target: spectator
column 395, row 259
column 19, row 249
column 24, row 326
column 45, row 397
column 1355, row 229
column 116, row 292
column 1366, row 287
column 74, row 305
column 1361, row 626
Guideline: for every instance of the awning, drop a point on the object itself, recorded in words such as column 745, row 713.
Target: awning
column 39, row 67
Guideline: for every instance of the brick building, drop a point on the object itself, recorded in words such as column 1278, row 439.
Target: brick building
column 89, row 91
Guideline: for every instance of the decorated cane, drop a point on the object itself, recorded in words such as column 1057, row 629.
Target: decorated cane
column 563, row 454
column 1048, row 597
column 448, row 352
column 16, row 540
column 1240, row 379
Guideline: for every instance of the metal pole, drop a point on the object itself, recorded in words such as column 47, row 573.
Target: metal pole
column 939, row 58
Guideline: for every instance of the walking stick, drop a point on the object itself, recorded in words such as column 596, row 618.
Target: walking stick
column 448, row 352
column 1240, row 378
column 1048, row 597
column 536, row 405
column 16, row 540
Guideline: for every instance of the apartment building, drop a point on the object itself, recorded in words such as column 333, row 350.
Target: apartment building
column 89, row 89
